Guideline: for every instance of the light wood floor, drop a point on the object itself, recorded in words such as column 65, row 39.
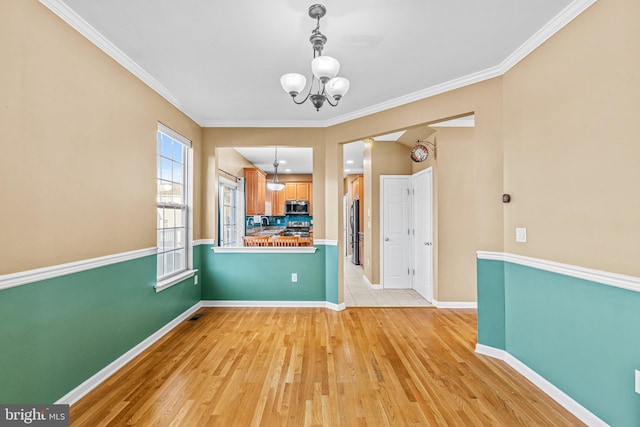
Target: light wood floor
column 317, row 367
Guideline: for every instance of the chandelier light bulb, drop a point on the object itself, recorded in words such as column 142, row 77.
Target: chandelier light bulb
column 325, row 68
column 337, row 87
column 293, row 83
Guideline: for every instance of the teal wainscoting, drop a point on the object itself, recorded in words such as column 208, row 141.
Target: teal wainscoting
column 331, row 273
column 491, row 303
column 265, row 276
column 581, row 336
column 57, row 333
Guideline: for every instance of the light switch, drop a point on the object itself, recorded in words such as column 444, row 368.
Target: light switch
column 521, row 235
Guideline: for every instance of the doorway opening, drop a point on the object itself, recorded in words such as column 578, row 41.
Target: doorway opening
column 361, row 226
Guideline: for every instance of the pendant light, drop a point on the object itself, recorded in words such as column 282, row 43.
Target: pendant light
column 275, row 185
column 325, row 85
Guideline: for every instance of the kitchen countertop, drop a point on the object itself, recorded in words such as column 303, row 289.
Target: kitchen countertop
column 264, row 231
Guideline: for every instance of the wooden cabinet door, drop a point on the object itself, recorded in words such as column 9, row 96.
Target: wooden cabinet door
column 303, row 191
column 255, row 191
column 355, row 188
column 277, row 203
column 262, row 192
column 291, row 191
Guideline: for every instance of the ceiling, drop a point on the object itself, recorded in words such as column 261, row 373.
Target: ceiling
column 221, row 62
column 292, row 160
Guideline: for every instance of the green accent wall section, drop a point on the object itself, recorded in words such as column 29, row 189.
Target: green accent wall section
column 581, row 336
column 331, row 273
column 263, row 276
column 491, row 327
column 57, row 333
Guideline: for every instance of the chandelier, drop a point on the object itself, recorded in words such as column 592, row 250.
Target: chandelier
column 275, row 185
column 328, row 87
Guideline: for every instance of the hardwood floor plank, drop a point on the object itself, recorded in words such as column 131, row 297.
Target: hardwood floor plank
column 316, row 367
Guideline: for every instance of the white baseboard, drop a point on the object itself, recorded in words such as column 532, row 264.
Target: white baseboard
column 271, row 304
column 80, row 391
column 455, row 304
column 369, row 284
column 548, row 388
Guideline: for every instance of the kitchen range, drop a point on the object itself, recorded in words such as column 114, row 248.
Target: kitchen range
column 298, row 228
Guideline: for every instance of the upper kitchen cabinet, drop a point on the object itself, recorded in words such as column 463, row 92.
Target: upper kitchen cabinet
column 297, row 191
column 277, row 199
column 255, row 191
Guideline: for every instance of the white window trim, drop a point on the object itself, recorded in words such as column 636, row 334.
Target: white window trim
column 239, row 207
column 174, row 279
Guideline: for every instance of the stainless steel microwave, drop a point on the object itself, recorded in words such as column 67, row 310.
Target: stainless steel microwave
column 296, row 207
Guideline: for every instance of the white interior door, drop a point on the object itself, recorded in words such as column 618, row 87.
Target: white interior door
column 423, row 239
column 395, row 232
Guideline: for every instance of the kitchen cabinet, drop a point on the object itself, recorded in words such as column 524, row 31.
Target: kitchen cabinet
column 357, row 192
column 291, row 191
column 297, row 191
column 303, row 190
column 357, row 187
column 277, row 202
column 255, row 191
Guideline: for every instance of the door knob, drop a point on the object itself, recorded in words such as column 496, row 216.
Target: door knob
column 386, row 239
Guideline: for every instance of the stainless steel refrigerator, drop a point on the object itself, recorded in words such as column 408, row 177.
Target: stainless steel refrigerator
column 354, row 223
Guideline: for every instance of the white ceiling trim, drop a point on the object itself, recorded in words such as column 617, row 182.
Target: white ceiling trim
column 75, row 21
column 558, row 22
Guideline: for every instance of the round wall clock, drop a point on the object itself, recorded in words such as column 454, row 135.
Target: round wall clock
column 419, row 153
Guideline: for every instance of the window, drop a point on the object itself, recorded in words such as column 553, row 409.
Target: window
column 231, row 214
column 173, row 200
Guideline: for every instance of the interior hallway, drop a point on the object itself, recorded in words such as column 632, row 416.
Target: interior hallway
column 357, row 292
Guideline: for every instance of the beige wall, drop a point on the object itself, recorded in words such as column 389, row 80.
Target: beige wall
column 572, row 157
column 232, row 162
column 78, row 138
column 386, row 158
column 455, row 209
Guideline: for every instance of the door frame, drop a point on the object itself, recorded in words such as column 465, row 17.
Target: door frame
column 412, row 223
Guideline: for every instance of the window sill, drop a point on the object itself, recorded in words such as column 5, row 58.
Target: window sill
column 174, row 280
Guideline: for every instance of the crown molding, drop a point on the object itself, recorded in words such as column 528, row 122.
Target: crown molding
column 558, row 22
column 65, row 13
column 553, row 26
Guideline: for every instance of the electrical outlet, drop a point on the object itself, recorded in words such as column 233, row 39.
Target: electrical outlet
column 294, row 277
column 195, row 279
column 637, row 381
column 521, row 235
